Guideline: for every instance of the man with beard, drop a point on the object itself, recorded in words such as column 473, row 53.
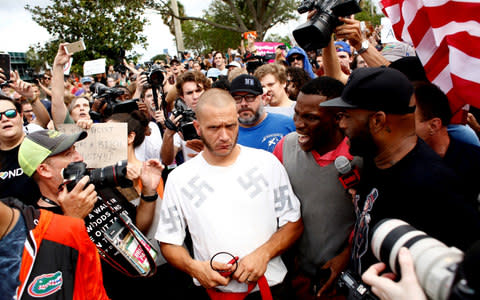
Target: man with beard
column 402, row 177
column 258, row 129
column 323, row 250
column 233, row 199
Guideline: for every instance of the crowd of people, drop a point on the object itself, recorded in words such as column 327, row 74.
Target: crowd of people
column 232, row 175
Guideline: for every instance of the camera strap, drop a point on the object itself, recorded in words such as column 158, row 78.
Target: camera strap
column 168, row 123
column 143, row 244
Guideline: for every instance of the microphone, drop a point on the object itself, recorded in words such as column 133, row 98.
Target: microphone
column 349, row 177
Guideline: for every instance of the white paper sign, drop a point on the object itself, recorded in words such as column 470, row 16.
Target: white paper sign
column 105, row 145
column 93, row 67
column 386, row 34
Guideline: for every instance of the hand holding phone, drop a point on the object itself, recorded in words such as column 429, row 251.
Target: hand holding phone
column 75, row 47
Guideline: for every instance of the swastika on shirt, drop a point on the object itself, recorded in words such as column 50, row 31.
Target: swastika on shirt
column 252, row 180
column 170, row 217
column 282, row 198
column 196, row 191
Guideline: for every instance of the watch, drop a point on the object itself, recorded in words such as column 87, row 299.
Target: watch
column 364, row 47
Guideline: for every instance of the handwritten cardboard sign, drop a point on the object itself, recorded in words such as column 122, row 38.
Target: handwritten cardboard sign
column 105, row 145
column 93, row 67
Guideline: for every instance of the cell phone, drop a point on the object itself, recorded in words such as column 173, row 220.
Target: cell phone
column 75, row 47
column 5, row 64
column 124, row 241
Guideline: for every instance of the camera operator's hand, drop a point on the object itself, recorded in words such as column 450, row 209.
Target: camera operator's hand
column 196, row 145
column 80, row 201
column 351, row 31
column 336, row 265
column 160, row 117
column 85, row 123
column 384, row 287
column 142, row 80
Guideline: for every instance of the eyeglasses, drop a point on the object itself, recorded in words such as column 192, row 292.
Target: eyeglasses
column 47, row 78
column 248, row 98
column 296, row 57
column 10, row 113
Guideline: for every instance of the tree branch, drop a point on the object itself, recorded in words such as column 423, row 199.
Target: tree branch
column 241, row 25
column 241, row 28
column 253, row 12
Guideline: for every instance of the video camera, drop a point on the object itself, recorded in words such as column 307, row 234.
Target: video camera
column 255, row 61
column 186, row 121
column 316, row 33
column 155, row 75
column 112, row 176
column 109, row 96
column 441, row 270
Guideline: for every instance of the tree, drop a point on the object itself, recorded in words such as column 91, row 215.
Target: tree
column 107, row 27
column 239, row 15
column 369, row 14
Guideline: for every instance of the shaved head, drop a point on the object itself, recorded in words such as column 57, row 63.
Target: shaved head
column 213, row 97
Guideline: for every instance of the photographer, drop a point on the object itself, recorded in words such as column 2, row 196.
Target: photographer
column 190, row 86
column 78, row 112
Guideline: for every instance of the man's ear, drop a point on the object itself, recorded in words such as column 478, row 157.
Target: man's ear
column 435, row 125
column 43, row 170
column 378, row 122
column 197, row 127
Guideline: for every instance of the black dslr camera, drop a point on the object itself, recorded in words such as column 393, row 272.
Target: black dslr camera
column 109, row 96
column 316, row 33
column 186, row 121
column 155, row 75
column 108, row 176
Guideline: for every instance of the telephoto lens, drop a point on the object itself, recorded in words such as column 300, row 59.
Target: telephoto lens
column 435, row 263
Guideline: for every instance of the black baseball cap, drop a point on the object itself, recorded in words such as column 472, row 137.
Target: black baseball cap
column 377, row 89
column 246, row 83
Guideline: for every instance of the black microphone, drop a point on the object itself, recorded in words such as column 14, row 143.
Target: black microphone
column 349, row 177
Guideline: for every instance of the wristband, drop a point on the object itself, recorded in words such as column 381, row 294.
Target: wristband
column 149, row 198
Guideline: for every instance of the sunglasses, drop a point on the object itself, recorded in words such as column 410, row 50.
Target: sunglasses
column 248, row 98
column 292, row 58
column 10, row 113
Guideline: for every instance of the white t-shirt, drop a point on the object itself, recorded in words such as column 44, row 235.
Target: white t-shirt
column 233, row 209
column 288, row 111
column 150, row 148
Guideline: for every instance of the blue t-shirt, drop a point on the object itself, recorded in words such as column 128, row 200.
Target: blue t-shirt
column 11, row 250
column 266, row 134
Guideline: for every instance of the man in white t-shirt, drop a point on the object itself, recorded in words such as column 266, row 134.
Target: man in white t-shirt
column 233, row 199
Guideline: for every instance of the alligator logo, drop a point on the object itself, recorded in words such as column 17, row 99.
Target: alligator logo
column 46, row 284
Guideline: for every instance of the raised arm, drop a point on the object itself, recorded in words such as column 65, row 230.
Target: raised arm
column 351, row 30
column 59, row 110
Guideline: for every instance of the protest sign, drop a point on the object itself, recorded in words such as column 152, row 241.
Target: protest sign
column 93, row 67
column 386, row 34
column 105, row 145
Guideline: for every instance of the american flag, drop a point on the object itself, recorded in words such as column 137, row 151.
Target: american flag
column 446, row 35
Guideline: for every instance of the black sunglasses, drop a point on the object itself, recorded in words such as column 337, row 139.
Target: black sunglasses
column 297, row 57
column 10, row 113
